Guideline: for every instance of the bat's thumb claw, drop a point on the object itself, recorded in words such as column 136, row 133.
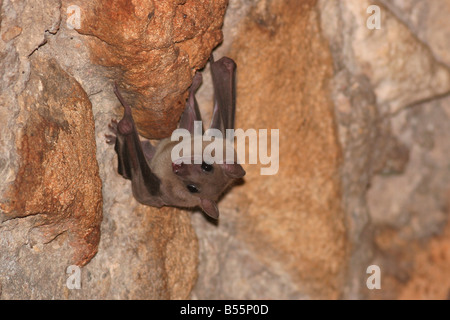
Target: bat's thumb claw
column 110, row 139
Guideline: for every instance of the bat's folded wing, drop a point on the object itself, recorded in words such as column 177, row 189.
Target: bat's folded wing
column 133, row 164
column 223, row 73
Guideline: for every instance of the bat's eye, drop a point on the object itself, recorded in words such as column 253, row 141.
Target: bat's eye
column 207, row 167
column 192, row 188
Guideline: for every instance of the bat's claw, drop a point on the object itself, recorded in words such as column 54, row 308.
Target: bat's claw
column 113, row 126
column 110, row 139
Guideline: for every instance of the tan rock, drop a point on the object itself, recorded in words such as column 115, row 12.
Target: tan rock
column 430, row 280
column 58, row 179
column 291, row 222
column 363, row 176
column 397, row 64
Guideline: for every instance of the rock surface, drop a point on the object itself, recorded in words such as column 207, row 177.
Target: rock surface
column 393, row 141
column 363, row 149
column 153, row 49
column 62, row 202
column 270, row 246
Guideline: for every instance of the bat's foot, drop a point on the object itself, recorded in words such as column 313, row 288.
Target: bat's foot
column 110, row 139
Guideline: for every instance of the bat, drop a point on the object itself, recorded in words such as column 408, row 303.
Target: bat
column 158, row 181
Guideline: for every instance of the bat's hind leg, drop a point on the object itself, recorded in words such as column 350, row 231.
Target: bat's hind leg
column 126, row 125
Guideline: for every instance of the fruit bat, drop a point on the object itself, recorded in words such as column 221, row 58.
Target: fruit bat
column 158, row 181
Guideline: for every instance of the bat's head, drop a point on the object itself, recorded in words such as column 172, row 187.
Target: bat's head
column 202, row 184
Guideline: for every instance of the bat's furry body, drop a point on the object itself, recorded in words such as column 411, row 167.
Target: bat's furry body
column 156, row 179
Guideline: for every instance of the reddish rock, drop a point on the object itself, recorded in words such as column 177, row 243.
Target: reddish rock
column 58, row 180
column 154, row 48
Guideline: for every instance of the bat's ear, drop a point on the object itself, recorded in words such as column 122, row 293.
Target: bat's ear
column 210, row 208
column 234, row 170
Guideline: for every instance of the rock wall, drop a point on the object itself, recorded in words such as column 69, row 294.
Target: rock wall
column 62, row 202
column 363, row 142
column 269, row 246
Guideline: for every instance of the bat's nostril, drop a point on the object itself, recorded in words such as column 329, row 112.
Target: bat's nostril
column 176, row 167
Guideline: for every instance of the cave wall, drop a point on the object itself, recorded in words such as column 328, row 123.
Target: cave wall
column 363, row 149
column 62, row 202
